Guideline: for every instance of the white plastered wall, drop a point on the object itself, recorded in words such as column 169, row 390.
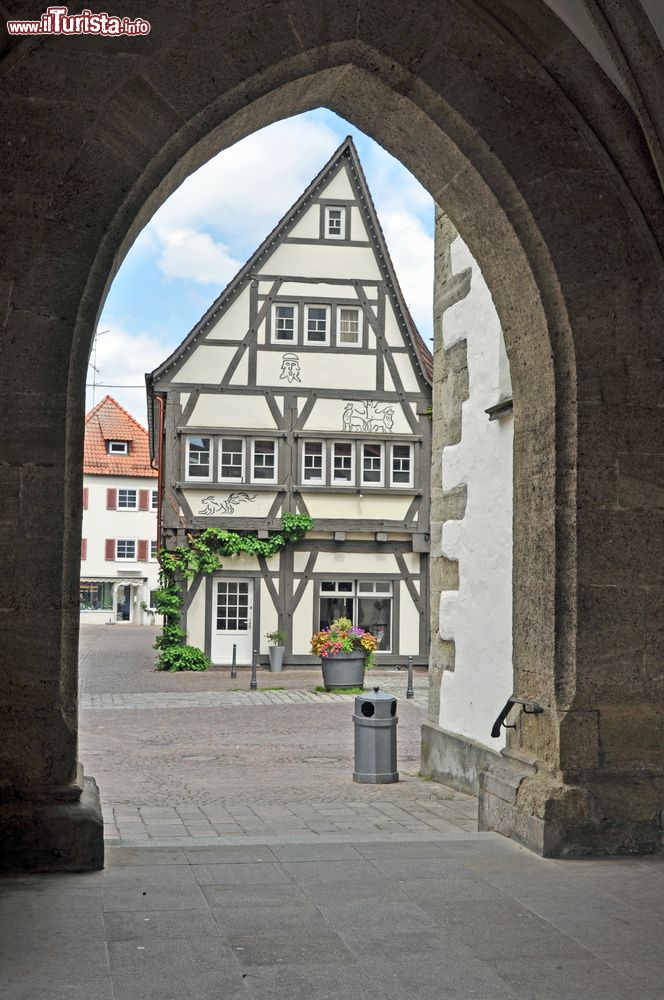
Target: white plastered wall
column 99, row 523
column 478, row 617
column 196, row 617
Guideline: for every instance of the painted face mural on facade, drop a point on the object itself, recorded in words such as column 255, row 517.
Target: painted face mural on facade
column 290, row 368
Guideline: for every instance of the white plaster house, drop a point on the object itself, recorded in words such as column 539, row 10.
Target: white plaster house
column 304, row 388
column 119, row 568
column 472, row 667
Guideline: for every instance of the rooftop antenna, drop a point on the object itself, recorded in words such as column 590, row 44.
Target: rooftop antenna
column 93, row 363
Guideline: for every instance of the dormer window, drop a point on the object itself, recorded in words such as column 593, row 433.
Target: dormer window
column 118, row 447
column 335, row 222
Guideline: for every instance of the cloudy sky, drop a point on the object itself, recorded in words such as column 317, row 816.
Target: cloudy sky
column 215, row 220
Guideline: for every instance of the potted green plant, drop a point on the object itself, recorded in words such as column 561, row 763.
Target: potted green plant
column 275, row 650
column 345, row 651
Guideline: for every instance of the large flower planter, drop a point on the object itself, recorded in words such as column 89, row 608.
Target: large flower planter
column 343, row 670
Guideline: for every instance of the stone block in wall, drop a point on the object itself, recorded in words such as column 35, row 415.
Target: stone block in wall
column 632, row 736
column 621, row 548
column 597, row 485
column 653, row 651
column 579, row 740
column 611, row 623
column 645, row 380
column 607, row 431
column 10, row 495
column 641, row 481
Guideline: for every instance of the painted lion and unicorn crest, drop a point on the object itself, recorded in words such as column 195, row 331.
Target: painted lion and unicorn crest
column 368, row 417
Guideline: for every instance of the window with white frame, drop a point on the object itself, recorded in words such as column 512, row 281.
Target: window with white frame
column 284, row 323
column 343, row 464
column 125, row 548
column 335, row 222
column 153, row 550
column 368, row 603
column 264, row 461
column 349, row 326
column 118, row 447
column 198, row 458
column 127, row 500
column 313, row 462
column 372, row 464
column 231, row 460
column 155, row 500
column 402, row 465
column 317, row 325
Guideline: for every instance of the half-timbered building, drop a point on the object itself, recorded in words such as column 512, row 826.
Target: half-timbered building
column 305, row 388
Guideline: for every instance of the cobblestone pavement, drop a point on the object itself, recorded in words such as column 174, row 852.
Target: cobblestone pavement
column 268, row 696
column 186, row 759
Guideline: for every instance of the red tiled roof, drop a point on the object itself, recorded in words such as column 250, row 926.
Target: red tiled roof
column 108, row 421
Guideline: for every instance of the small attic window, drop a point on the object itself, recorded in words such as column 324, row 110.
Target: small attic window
column 118, row 447
column 335, row 222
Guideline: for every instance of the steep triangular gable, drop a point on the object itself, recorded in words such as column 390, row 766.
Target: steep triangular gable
column 108, row 421
column 346, row 154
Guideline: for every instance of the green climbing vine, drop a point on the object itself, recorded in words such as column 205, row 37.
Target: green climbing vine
column 203, row 554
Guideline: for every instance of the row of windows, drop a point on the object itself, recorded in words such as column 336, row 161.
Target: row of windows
column 342, row 463
column 126, row 499
column 124, row 549
column 368, row 603
column 232, row 452
column 317, row 325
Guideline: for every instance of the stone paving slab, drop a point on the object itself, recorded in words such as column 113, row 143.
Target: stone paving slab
column 377, row 921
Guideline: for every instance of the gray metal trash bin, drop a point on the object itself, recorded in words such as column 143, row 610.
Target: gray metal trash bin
column 375, row 721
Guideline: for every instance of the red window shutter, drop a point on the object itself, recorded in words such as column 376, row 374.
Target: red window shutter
column 110, row 548
column 86, row 492
column 84, row 548
column 111, row 499
column 142, row 550
column 144, row 499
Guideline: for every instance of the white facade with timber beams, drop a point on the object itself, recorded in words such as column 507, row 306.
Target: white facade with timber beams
column 305, row 388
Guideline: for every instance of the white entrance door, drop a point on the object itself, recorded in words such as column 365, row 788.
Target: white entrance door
column 231, row 621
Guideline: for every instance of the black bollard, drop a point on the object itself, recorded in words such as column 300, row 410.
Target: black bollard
column 253, row 684
column 409, row 690
column 234, row 662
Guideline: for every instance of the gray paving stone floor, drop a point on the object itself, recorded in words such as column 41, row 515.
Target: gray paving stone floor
column 469, row 917
column 243, row 864
column 201, row 759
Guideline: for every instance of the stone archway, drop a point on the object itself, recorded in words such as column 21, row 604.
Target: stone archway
column 557, row 203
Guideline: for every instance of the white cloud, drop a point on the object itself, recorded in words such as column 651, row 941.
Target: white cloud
column 246, row 189
column 239, row 195
column 185, row 253
column 122, row 359
column 411, row 249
